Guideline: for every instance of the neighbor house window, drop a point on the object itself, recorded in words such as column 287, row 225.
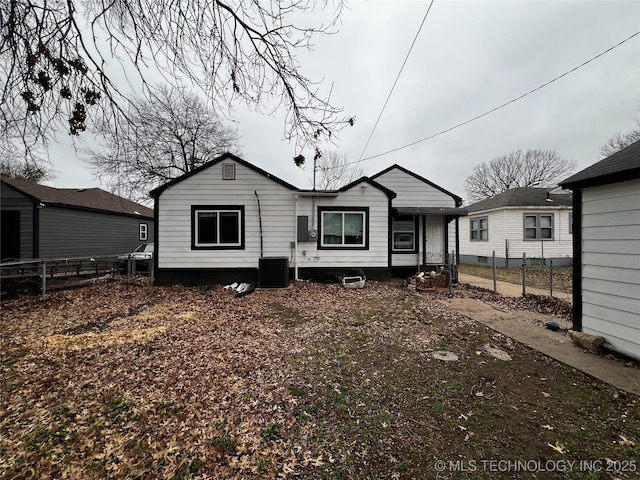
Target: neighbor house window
column 538, row 226
column 479, row 228
column 571, row 223
column 217, row 227
column 143, row 232
column 343, row 228
column 404, row 234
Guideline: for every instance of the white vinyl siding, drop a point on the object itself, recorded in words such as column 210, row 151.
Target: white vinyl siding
column 611, row 265
column 506, row 224
column 268, row 231
column 412, row 192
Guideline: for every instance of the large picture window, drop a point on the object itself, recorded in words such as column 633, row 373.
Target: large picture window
column 538, row 226
column 217, row 227
column 479, row 228
column 343, row 228
column 404, row 234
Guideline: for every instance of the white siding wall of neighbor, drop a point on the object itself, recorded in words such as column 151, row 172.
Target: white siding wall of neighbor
column 208, row 188
column 611, row 265
column 508, row 223
column 309, row 256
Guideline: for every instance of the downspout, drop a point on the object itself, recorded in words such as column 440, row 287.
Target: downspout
column 260, row 222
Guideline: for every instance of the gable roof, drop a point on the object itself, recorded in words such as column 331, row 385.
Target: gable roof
column 619, row 167
column 523, row 197
column 457, row 199
column 82, row 198
column 225, row 156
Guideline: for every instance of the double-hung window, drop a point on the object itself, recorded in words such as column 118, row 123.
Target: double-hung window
column 217, row 227
column 343, row 228
column 479, row 228
column 538, row 226
column 404, row 234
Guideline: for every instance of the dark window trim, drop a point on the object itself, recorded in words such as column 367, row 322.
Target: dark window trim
column 471, row 229
column 538, row 215
column 416, row 232
column 364, row 210
column 195, row 208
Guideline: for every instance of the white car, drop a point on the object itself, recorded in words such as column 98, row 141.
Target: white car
column 142, row 255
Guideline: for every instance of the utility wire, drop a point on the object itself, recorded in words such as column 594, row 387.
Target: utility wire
column 496, row 108
column 395, row 82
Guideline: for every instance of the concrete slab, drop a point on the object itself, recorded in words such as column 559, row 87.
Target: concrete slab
column 558, row 345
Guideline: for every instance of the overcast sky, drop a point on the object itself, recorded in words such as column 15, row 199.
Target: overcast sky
column 469, row 58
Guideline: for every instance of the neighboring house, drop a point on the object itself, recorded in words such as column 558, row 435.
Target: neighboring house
column 532, row 221
column 230, row 220
column 45, row 222
column 606, row 271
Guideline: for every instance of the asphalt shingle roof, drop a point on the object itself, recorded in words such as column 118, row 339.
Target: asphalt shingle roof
column 622, row 165
column 522, row 197
column 91, row 198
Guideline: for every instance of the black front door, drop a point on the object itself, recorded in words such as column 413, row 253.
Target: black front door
column 10, row 234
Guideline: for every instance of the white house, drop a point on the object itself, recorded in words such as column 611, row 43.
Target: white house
column 230, row 220
column 606, row 272
column 531, row 221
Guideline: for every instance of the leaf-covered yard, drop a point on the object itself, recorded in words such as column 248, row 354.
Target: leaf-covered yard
column 125, row 380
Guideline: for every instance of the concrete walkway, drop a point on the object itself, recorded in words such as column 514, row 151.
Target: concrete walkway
column 519, row 326
column 504, row 288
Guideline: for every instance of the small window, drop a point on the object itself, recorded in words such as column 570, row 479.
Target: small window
column 228, row 171
column 217, row 227
column 143, row 232
column 538, row 226
column 571, row 223
column 483, row 259
column 404, row 234
column 479, row 228
column 343, row 229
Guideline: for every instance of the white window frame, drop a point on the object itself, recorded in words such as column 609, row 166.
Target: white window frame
column 197, row 211
column 143, row 232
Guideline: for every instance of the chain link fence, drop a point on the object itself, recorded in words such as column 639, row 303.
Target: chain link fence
column 37, row 277
column 536, row 276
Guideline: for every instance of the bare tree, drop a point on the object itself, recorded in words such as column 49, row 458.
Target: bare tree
column 333, row 171
column 621, row 140
column 59, row 59
column 172, row 133
column 533, row 168
column 19, row 160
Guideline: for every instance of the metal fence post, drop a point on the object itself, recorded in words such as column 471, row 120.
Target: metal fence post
column 44, row 279
column 524, row 274
column 495, row 284
column 551, row 277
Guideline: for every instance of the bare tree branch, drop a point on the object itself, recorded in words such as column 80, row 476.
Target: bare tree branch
column 533, row 168
column 58, row 60
column 334, row 171
column 168, row 135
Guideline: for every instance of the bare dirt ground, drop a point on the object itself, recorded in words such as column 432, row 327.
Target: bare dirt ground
column 125, row 380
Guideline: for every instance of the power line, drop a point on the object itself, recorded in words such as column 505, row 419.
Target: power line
column 496, row 108
column 396, row 81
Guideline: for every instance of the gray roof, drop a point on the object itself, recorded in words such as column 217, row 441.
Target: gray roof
column 85, row 198
column 523, row 197
column 622, row 165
